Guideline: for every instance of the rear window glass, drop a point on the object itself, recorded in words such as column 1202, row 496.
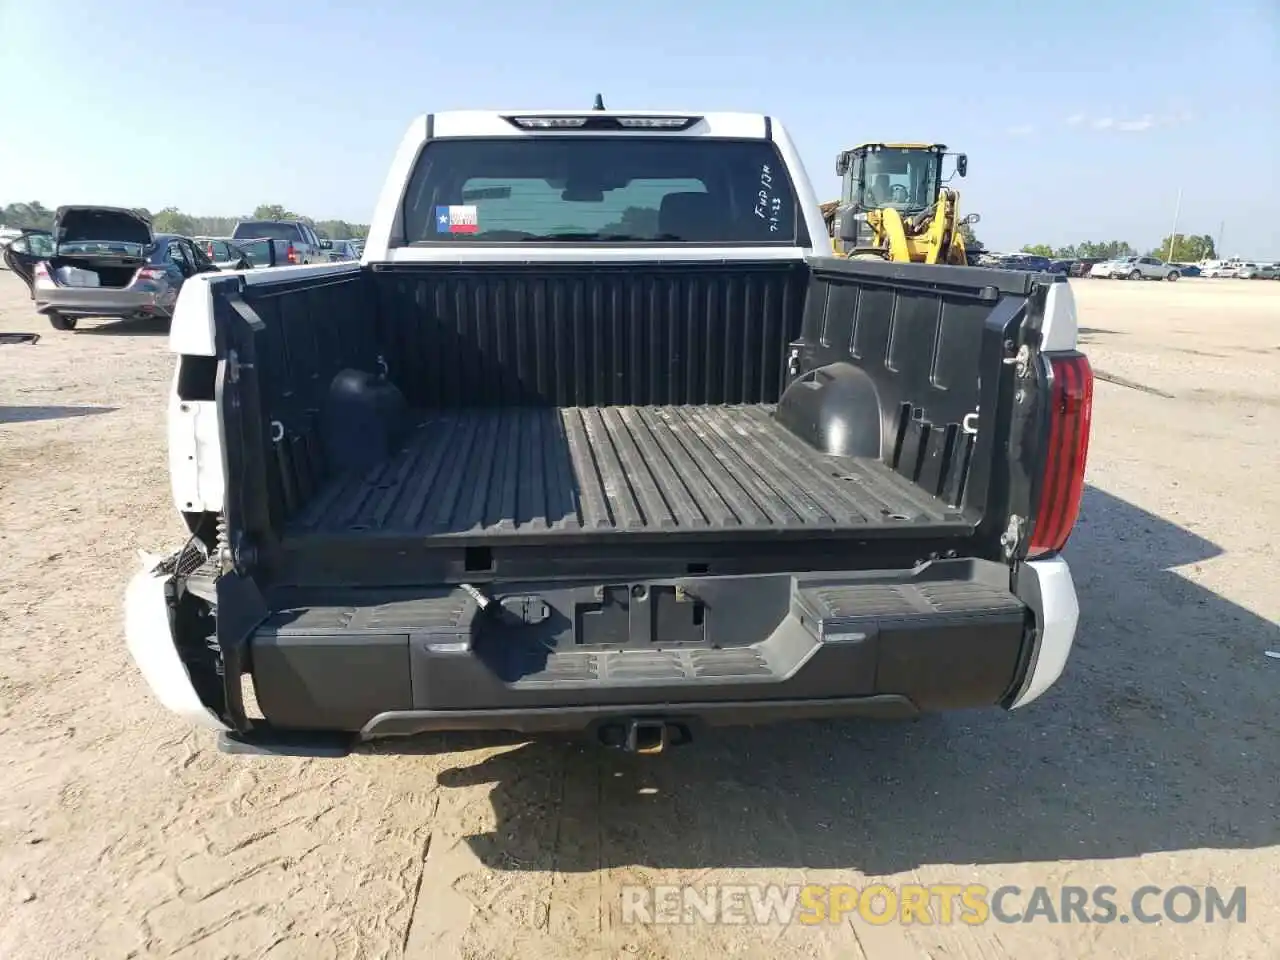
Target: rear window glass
column 258, row 229
column 605, row 190
column 258, row 252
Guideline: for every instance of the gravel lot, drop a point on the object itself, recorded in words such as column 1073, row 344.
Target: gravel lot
column 1155, row 761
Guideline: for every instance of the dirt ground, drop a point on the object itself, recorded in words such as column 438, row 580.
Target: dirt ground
column 1156, row 760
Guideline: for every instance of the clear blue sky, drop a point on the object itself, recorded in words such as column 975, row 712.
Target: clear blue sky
column 1081, row 119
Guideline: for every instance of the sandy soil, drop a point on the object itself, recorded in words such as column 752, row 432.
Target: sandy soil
column 1156, row 759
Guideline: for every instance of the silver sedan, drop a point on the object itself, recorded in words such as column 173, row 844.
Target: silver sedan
column 104, row 279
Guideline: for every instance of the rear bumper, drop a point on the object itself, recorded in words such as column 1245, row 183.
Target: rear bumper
column 101, row 302
column 949, row 635
column 149, row 634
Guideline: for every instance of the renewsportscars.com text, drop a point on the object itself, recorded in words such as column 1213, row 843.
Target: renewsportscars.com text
column 939, row 903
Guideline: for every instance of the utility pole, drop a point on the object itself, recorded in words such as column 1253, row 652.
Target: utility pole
column 1218, row 249
column 1174, row 239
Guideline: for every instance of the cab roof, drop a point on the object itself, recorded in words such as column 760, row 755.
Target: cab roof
column 894, row 145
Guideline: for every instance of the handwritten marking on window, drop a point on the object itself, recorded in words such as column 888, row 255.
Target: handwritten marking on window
column 768, row 207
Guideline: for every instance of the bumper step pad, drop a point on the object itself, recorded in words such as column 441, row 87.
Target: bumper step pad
column 947, row 635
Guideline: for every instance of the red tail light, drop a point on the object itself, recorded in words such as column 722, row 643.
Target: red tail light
column 41, row 270
column 1070, row 417
column 149, row 273
column 208, row 250
column 291, row 254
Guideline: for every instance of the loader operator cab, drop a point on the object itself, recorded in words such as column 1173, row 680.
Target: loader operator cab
column 905, row 176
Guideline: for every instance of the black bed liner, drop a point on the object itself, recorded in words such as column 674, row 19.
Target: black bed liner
column 520, row 472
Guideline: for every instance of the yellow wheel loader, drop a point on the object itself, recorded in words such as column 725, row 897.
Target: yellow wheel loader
column 895, row 205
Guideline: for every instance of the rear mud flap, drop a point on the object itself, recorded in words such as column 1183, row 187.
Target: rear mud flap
column 241, row 610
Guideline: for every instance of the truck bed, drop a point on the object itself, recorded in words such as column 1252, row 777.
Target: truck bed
column 522, row 472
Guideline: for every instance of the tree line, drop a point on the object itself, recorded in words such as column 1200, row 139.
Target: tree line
column 173, row 220
column 1187, row 248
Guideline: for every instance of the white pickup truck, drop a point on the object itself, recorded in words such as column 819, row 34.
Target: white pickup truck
column 599, row 437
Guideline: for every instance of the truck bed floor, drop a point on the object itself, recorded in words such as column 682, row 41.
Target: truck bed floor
column 514, row 472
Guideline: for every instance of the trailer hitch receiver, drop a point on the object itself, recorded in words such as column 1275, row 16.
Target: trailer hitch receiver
column 645, row 735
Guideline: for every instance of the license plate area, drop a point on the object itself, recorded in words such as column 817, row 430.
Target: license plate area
column 640, row 616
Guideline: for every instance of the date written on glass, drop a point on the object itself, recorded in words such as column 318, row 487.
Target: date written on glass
column 768, row 206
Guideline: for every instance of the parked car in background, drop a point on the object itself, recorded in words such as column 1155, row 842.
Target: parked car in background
column 257, row 252
column 1268, row 271
column 1061, row 266
column 301, row 243
column 1108, row 269
column 225, row 254
column 1216, row 270
column 1081, row 266
column 1135, row 268
column 1016, row 261
column 1152, row 268
column 1247, row 271
column 340, row 250
column 1188, row 269
column 1031, row 263
column 106, row 262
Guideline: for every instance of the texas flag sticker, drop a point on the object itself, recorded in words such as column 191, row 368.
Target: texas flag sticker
column 457, row 220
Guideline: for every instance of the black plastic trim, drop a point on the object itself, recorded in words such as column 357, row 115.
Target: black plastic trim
column 977, row 282
column 373, row 562
column 946, row 635
column 197, row 377
column 587, row 718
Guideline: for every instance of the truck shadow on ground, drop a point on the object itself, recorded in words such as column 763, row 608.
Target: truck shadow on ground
column 1091, row 334
column 1157, row 738
column 135, row 327
column 34, row 414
